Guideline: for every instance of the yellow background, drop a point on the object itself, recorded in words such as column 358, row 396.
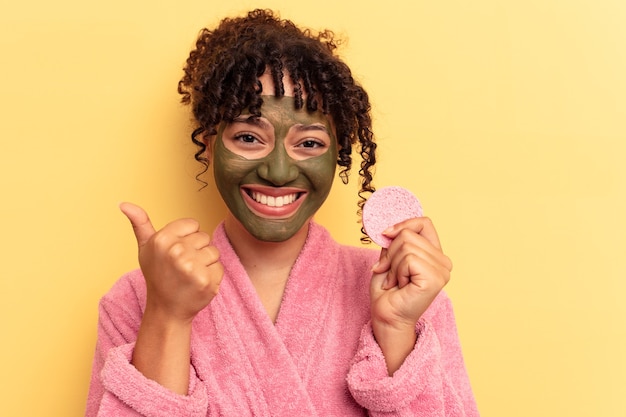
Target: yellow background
column 506, row 118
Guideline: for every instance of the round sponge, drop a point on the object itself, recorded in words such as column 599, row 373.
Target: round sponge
column 386, row 207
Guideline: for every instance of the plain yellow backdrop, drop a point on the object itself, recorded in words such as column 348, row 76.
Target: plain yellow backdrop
column 506, row 118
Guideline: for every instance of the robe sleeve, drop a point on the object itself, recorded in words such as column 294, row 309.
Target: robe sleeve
column 117, row 388
column 432, row 381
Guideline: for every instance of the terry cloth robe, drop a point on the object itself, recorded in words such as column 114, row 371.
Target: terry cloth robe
column 319, row 358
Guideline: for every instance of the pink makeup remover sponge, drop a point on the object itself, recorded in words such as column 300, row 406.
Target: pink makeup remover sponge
column 387, row 207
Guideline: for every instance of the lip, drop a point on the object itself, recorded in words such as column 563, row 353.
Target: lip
column 276, row 194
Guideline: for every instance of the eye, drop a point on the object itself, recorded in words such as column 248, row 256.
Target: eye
column 246, row 138
column 250, row 138
column 308, row 147
column 312, row 143
column 249, row 145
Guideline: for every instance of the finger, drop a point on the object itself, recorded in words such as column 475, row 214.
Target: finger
column 212, row 278
column 397, row 274
column 423, row 274
column 383, row 262
column 210, row 255
column 181, row 228
column 378, row 284
column 420, row 225
column 380, row 272
column 142, row 226
column 410, row 269
column 409, row 242
column 197, row 240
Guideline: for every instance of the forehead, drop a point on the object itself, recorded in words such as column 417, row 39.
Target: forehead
column 268, row 84
column 281, row 111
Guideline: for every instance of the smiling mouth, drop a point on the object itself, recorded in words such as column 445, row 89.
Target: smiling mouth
column 273, row 201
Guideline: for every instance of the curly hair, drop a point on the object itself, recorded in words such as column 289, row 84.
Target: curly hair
column 221, row 80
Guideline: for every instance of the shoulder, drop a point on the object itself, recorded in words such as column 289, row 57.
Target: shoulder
column 350, row 267
column 128, row 292
column 359, row 258
column 355, row 256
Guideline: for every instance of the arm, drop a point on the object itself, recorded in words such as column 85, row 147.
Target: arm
column 162, row 351
column 431, row 382
column 405, row 281
column 182, row 275
column 117, row 387
column 405, row 342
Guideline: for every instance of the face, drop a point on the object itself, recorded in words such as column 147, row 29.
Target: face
column 275, row 171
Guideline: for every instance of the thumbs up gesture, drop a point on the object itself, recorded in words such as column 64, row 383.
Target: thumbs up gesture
column 181, row 268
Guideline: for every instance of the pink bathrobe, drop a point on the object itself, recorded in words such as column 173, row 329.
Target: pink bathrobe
column 319, row 358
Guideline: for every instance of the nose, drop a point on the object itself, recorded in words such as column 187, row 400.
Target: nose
column 278, row 168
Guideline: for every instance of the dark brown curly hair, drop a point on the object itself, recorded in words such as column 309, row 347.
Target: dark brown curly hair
column 221, row 80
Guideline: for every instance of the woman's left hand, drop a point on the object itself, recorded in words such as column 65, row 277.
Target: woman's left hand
column 408, row 276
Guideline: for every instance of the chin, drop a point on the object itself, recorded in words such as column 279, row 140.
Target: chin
column 275, row 233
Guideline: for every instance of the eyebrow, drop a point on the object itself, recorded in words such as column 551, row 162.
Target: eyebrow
column 314, row 126
column 263, row 124
column 252, row 120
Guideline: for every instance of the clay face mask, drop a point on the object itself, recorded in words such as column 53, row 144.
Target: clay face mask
column 274, row 172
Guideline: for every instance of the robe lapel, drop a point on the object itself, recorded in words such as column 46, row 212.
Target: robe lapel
column 248, row 363
column 305, row 305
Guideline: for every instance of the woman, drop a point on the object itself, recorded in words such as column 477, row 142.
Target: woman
column 270, row 316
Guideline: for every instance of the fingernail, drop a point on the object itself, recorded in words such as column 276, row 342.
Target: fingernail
column 388, row 230
column 385, row 283
column 375, row 265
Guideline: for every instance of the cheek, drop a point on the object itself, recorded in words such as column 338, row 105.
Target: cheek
column 238, row 168
column 229, row 174
column 320, row 170
column 230, row 167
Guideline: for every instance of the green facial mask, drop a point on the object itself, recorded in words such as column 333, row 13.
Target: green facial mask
column 275, row 172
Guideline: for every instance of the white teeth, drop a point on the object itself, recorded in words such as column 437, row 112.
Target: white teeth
column 274, row 201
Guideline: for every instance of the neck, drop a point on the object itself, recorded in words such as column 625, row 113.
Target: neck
column 260, row 256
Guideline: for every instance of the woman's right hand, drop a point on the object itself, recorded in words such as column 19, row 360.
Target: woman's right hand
column 183, row 274
column 182, row 270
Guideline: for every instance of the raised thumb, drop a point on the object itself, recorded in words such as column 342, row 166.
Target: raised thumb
column 142, row 226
